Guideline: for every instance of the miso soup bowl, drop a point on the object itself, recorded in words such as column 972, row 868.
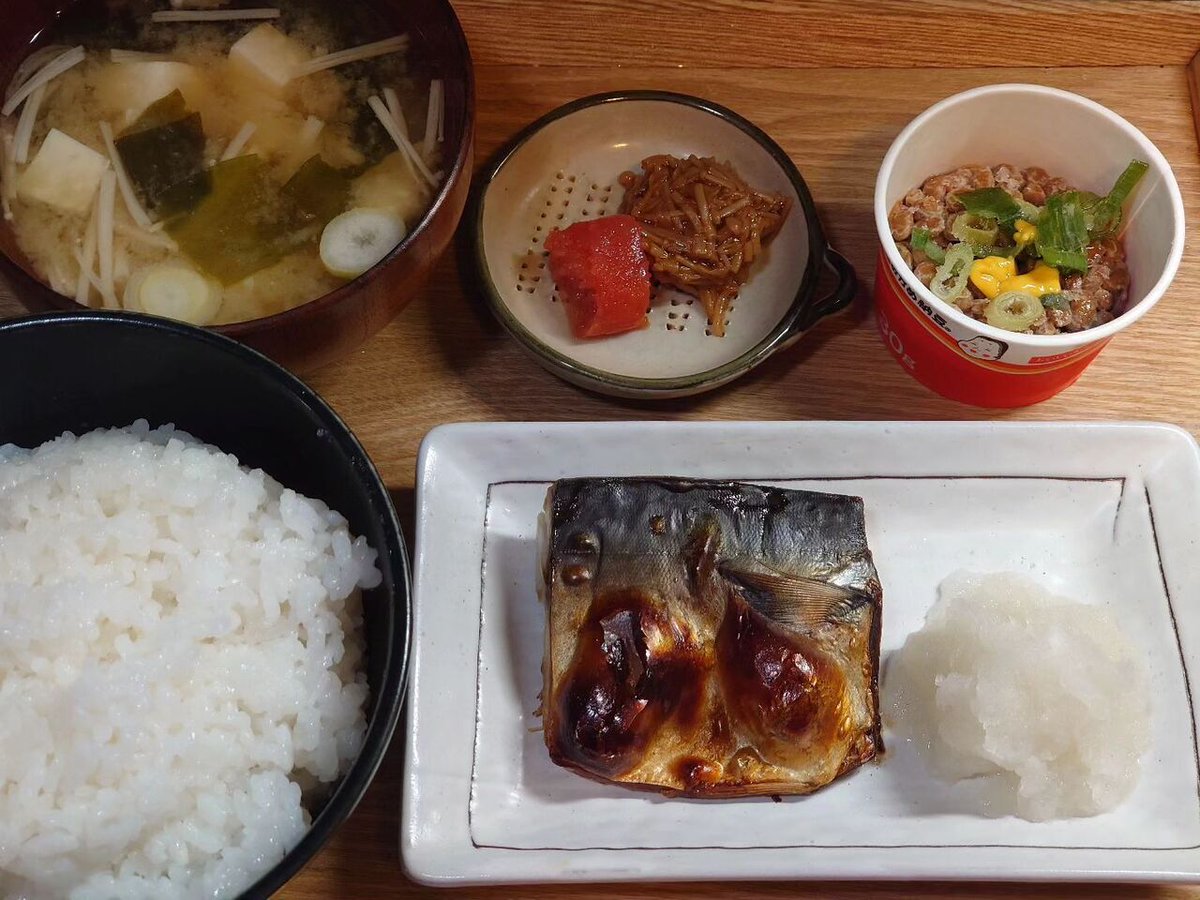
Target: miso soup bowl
column 329, row 327
column 1069, row 136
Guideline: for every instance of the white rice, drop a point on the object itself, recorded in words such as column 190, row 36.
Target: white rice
column 180, row 658
column 1039, row 701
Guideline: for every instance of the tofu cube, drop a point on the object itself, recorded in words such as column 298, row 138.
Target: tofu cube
column 268, row 54
column 391, row 184
column 64, row 174
column 124, row 90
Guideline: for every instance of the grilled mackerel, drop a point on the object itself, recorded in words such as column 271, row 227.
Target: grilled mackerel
column 709, row 639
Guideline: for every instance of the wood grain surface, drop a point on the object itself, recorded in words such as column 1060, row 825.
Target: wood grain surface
column 833, row 82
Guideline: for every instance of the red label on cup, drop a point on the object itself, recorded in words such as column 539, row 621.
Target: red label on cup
column 967, row 367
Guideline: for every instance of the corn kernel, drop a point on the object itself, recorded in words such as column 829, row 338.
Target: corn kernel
column 1025, row 233
column 989, row 273
column 1042, row 280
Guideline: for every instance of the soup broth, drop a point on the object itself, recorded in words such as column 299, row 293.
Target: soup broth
column 215, row 171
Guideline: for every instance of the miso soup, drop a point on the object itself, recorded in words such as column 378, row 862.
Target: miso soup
column 215, row 165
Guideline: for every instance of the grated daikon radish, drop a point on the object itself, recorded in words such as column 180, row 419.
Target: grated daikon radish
column 401, row 141
column 85, row 260
column 136, row 211
column 164, row 16
column 24, row 133
column 106, row 203
column 354, row 54
column 147, row 237
column 44, row 75
column 239, row 141
column 431, row 118
column 1039, row 705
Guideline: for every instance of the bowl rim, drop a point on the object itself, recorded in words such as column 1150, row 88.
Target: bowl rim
column 251, row 328
column 1035, row 342
column 389, row 699
column 629, row 385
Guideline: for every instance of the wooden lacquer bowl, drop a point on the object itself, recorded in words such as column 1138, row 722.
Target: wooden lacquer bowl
column 323, row 330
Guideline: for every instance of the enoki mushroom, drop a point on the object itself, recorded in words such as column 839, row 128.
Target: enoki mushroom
column 704, row 226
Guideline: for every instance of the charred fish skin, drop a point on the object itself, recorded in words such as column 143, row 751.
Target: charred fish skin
column 709, row 638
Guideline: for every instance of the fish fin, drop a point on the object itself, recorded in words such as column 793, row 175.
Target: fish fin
column 796, row 600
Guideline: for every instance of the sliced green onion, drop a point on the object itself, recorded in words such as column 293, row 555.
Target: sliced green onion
column 1029, row 212
column 950, row 280
column 1014, row 311
column 922, row 240
column 1107, row 215
column 992, row 203
column 1057, row 301
column 1062, row 233
column 1088, row 202
column 1007, row 252
column 1127, row 181
column 977, row 231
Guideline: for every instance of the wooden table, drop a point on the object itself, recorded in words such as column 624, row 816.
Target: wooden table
column 833, row 82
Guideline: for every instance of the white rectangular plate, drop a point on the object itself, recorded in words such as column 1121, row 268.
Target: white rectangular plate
column 1103, row 513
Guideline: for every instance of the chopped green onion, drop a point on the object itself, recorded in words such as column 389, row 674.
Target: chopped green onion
column 978, row 231
column 1057, row 301
column 1086, row 201
column 1127, row 181
column 991, row 203
column 1062, row 233
column 950, row 280
column 1014, row 311
column 1008, row 252
column 1029, row 212
column 922, row 241
column 1107, row 215
column 1091, row 205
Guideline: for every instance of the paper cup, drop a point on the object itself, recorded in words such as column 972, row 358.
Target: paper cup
column 1026, row 125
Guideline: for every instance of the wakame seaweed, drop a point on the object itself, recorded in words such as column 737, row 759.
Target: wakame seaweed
column 317, row 192
column 162, row 111
column 163, row 154
column 241, row 226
